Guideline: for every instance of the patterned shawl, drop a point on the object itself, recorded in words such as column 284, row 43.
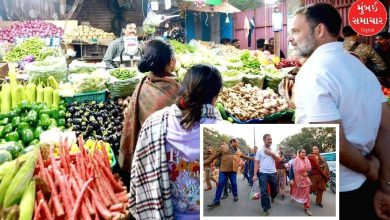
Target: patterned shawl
column 151, row 94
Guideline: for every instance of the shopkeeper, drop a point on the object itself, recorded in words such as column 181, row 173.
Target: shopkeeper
column 117, row 46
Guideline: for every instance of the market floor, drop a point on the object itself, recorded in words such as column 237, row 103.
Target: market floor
column 247, row 207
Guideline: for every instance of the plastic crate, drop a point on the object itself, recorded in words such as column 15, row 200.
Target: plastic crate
column 99, row 96
column 113, row 160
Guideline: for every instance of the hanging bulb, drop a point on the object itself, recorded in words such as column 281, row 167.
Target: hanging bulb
column 166, row 25
column 227, row 18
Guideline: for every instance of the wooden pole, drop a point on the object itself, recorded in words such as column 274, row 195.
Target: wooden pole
column 277, row 43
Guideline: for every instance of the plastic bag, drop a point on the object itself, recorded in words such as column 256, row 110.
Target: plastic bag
column 255, row 191
column 39, row 71
column 95, row 81
column 83, row 67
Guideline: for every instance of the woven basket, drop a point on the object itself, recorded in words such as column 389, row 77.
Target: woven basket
column 123, row 88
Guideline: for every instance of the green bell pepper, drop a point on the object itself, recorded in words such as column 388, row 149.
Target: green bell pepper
column 53, row 123
column 22, row 126
column 5, row 121
column 38, row 131
column 62, row 108
column 44, row 111
column 35, row 141
column 32, row 117
column 8, row 128
column 37, row 107
column 23, row 119
column 3, row 115
column 13, row 136
column 15, row 121
column 15, row 112
column 61, row 114
column 45, row 120
column 54, row 113
column 27, row 136
column 25, row 106
column 61, row 122
column 2, row 131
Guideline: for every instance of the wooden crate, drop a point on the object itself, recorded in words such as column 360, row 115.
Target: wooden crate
column 3, row 70
column 93, row 51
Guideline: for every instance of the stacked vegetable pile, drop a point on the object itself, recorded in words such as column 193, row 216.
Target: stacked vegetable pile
column 90, row 146
column 27, row 111
column 250, row 63
column 17, row 189
column 87, row 33
column 247, row 102
column 123, row 81
column 26, row 122
column 123, row 74
column 30, row 29
column 12, row 94
column 97, row 121
column 78, row 187
column 30, row 50
column 181, row 48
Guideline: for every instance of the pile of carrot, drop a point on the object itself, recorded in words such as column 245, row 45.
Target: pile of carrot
column 79, row 187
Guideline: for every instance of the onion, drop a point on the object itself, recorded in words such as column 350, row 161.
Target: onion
column 30, row 29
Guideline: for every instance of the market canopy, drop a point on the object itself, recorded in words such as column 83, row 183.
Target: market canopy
column 225, row 7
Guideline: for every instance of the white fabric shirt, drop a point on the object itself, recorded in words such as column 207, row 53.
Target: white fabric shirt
column 267, row 163
column 334, row 85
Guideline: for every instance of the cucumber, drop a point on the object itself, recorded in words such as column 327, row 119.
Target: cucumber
column 222, row 110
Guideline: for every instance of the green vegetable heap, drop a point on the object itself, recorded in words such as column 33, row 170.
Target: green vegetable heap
column 123, row 74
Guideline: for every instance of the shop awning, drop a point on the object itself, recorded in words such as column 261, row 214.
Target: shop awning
column 225, row 7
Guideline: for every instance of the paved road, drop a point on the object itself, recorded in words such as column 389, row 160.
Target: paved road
column 247, row 207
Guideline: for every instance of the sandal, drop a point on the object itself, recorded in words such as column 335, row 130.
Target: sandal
column 308, row 212
column 208, row 189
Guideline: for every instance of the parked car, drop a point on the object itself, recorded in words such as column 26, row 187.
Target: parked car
column 331, row 160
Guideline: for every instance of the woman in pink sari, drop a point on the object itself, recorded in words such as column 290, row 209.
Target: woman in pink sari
column 299, row 176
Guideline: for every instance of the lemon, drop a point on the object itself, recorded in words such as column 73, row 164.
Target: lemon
column 276, row 60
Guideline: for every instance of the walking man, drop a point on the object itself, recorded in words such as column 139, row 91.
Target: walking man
column 265, row 163
column 319, row 174
column 208, row 173
column 230, row 158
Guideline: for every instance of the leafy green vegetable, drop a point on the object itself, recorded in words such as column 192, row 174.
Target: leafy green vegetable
column 181, row 48
column 123, row 74
column 30, row 46
column 251, row 63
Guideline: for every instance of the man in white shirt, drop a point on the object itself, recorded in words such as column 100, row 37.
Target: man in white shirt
column 265, row 163
column 334, row 87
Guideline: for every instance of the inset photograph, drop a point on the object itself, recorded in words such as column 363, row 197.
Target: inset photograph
column 269, row 170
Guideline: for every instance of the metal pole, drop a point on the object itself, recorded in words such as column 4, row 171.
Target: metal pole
column 254, row 136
